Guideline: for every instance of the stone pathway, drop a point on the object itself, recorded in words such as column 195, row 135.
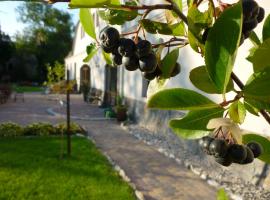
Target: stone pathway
column 156, row 176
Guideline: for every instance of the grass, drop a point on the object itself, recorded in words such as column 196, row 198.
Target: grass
column 28, row 89
column 30, row 168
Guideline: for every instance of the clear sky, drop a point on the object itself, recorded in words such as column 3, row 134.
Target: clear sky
column 9, row 18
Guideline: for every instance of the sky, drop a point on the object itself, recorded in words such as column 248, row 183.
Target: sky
column 9, row 18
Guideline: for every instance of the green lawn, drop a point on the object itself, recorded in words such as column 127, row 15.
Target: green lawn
column 28, row 89
column 31, row 169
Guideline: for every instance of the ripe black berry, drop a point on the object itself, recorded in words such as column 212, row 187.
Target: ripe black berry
column 237, row 152
column 126, row 47
column 249, row 25
column 116, row 58
column 148, row 63
column 249, row 158
column 256, row 148
column 218, row 148
column 261, row 14
column 152, row 75
column 249, row 7
column 144, row 48
column 109, row 37
column 226, row 161
column 204, row 143
column 131, row 63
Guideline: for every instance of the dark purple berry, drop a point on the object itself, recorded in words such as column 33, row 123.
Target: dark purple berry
column 218, row 148
column 130, row 63
column 256, row 148
column 109, row 37
column 226, row 161
column 116, row 58
column 249, row 7
column 144, row 48
column 204, row 143
column 261, row 14
column 126, row 47
column 249, row 25
column 237, row 152
column 249, row 158
column 148, row 63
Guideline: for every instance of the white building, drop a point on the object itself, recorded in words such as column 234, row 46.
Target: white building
column 133, row 86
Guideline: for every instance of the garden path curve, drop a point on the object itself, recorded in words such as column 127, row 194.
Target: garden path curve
column 155, row 175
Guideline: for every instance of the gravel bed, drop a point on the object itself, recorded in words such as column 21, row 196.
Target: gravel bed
column 187, row 152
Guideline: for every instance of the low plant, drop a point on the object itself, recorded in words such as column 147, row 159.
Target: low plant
column 10, row 129
column 61, row 128
column 40, row 129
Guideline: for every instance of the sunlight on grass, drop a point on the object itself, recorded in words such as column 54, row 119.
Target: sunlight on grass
column 31, row 169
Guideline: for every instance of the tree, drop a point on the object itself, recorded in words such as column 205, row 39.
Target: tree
column 7, row 49
column 216, row 35
column 48, row 35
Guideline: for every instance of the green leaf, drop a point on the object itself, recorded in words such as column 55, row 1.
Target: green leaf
column 254, row 39
column 251, row 109
column 87, row 22
column 237, row 112
column 168, row 63
column 197, row 21
column 257, row 87
column 119, row 17
column 107, row 58
column 94, row 4
column 222, row 44
column 221, row 195
column 91, row 50
column 193, row 125
column 260, row 57
column 266, row 28
column 154, row 27
column 258, row 104
column 200, row 79
column 179, row 4
column 265, row 156
column 180, row 99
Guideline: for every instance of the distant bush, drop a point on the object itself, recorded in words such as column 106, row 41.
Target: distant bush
column 41, row 129
column 74, row 128
column 10, row 129
column 38, row 129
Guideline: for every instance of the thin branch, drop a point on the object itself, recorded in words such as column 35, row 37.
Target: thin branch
column 148, row 7
column 179, row 13
column 168, row 43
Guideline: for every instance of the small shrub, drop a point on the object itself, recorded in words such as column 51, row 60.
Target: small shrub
column 40, row 129
column 74, row 128
column 10, row 129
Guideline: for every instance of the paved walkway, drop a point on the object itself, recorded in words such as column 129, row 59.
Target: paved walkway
column 156, row 176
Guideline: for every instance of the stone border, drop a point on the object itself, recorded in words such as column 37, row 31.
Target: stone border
column 203, row 174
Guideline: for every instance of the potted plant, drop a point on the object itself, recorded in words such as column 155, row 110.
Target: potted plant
column 121, row 109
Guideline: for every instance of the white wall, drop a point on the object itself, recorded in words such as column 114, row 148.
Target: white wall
column 130, row 83
column 189, row 60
